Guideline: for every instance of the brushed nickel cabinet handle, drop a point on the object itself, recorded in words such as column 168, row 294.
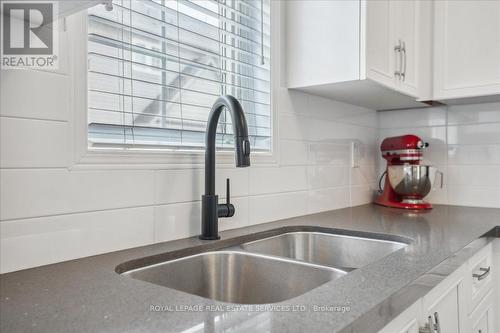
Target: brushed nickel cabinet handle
column 437, row 326
column 397, row 53
column 486, row 272
column 429, row 327
column 403, row 60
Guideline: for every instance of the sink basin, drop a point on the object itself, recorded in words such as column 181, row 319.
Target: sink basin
column 237, row 277
column 333, row 250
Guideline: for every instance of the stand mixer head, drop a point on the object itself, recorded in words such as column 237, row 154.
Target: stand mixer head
column 407, row 181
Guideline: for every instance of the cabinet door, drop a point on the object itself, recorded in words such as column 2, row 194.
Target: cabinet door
column 411, row 328
column 322, row 42
column 445, row 304
column 466, row 49
column 404, row 33
column 482, row 319
column 398, row 45
column 446, row 312
column 485, row 323
column 406, row 322
column 381, row 57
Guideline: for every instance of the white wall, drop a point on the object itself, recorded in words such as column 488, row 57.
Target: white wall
column 49, row 213
column 464, row 144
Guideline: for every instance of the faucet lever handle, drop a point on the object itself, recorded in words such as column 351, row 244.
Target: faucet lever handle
column 228, row 191
column 227, row 209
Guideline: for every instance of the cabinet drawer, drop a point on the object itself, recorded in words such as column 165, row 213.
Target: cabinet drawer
column 480, row 274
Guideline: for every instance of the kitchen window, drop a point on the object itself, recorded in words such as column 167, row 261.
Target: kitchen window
column 155, row 67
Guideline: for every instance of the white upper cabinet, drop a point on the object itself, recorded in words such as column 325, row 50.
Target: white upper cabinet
column 322, row 42
column 67, row 8
column 466, row 49
column 371, row 53
column 395, row 52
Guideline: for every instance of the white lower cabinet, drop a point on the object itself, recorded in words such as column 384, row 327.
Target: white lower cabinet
column 407, row 322
column 464, row 302
column 482, row 319
column 442, row 311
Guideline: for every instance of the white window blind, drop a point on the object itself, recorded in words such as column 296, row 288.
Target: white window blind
column 155, row 67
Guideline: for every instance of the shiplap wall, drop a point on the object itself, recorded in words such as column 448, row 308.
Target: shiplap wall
column 49, row 213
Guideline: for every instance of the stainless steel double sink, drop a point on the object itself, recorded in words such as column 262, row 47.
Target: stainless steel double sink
column 271, row 269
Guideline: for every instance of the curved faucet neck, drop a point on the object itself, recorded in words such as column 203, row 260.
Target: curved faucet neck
column 240, row 130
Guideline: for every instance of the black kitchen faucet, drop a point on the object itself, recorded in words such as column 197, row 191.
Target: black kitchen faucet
column 211, row 210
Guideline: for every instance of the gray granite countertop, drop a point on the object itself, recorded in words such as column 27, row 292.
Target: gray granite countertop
column 87, row 295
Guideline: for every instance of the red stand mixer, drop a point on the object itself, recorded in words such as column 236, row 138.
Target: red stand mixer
column 407, row 181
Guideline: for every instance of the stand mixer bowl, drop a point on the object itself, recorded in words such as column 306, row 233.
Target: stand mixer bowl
column 412, row 181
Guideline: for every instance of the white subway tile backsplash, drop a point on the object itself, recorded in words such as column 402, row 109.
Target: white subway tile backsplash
column 239, row 181
column 38, row 241
column 472, row 114
column 298, row 127
column 38, row 192
column 293, row 101
column 412, row 118
column 474, row 154
column 294, row 152
column 177, row 221
column 365, row 174
column 274, row 179
column 438, row 195
column 241, row 215
column 330, row 153
column 477, row 175
column 476, row 196
column 312, row 106
column 336, row 132
column 189, row 184
column 293, row 127
column 324, row 199
column 322, row 176
column 362, row 194
column 367, row 119
column 368, row 154
column 178, row 185
column 433, row 135
column 324, row 108
column 33, row 143
column 272, row 207
column 436, row 154
column 34, row 94
column 474, row 134
column 327, row 109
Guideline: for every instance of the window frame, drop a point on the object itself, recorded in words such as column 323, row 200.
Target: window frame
column 154, row 157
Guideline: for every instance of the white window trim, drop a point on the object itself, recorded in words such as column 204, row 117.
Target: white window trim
column 85, row 157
